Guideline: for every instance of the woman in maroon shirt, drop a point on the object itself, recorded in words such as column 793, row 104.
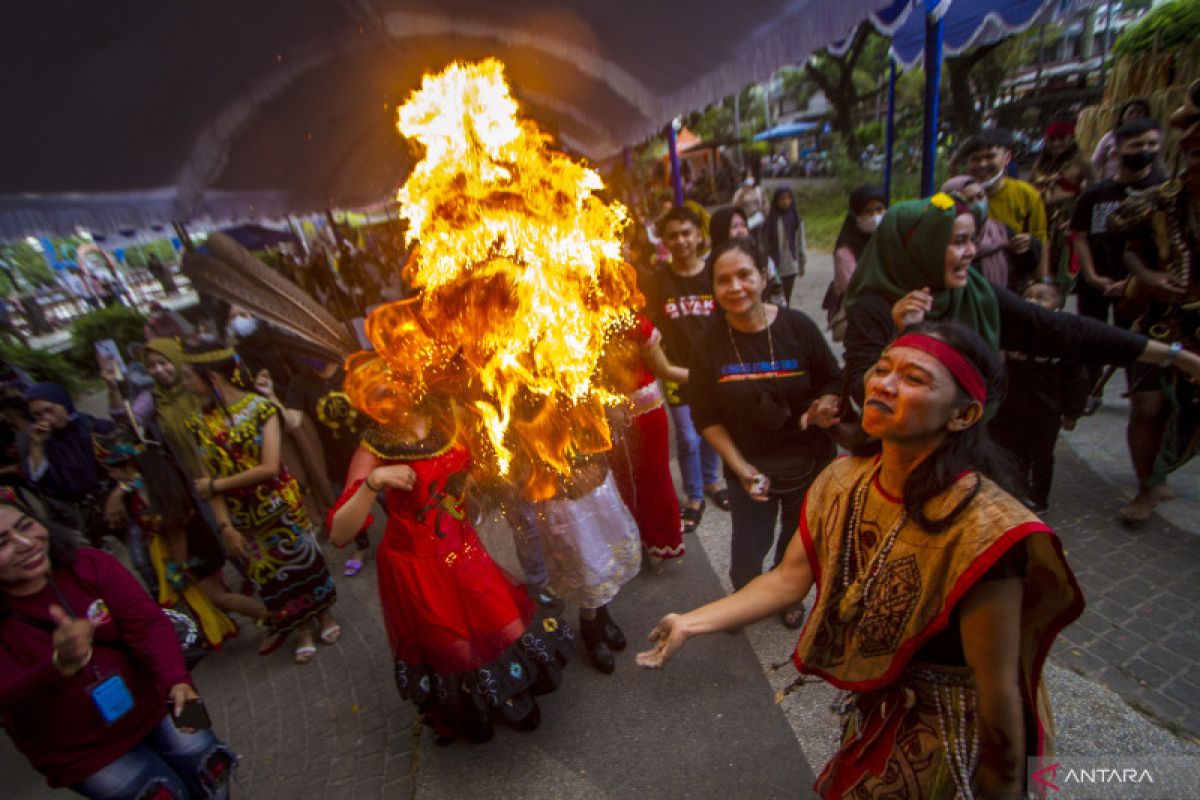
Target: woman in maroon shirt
column 91, row 673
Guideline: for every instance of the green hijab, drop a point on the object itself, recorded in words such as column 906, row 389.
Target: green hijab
column 174, row 405
column 908, row 252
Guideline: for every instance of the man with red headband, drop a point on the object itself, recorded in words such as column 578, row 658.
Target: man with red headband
column 1163, row 229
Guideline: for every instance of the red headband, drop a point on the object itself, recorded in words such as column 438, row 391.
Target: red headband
column 966, row 373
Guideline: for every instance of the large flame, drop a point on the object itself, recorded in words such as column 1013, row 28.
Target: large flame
column 521, row 282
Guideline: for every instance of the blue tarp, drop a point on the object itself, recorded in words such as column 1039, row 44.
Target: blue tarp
column 787, row 131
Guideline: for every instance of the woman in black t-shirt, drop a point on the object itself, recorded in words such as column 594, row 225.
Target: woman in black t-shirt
column 764, row 387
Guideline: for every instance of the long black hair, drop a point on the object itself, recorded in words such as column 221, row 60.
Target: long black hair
column 742, row 244
column 968, row 450
column 64, row 542
column 168, row 490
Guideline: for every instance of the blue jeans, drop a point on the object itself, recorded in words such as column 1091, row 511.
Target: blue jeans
column 522, row 519
column 699, row 463
column 754, row 530
column 188, row 765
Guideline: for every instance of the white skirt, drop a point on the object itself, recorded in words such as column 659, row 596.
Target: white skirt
column 591, row 545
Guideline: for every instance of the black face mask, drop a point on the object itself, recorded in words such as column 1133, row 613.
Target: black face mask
column 1138, row 161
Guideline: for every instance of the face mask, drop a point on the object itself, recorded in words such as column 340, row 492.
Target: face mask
column 748, row 182
column 1138, row 161
column 869, row 224
column 980, row 208
column 243, row 327
column 992, row 181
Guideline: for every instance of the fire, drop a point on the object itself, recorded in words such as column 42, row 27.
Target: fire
column 518, row 265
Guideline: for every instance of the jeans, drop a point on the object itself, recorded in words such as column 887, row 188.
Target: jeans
column 699, row 463
column 754, row 530
column 166, row 764
column 522, row 519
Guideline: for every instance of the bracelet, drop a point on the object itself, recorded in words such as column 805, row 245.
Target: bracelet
column 58, row 666
column 370, row 488
column 1172, row 353
column 212, row 486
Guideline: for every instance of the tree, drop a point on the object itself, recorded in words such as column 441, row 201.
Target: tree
column 22, row 262
column 849, row 79
column 975, row 77
column 1168, row 26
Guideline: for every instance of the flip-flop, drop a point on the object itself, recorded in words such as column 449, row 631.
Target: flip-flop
column 305, row 653
column 720, row 498
column 690, row 518
column 331, row 634
column 352, row 567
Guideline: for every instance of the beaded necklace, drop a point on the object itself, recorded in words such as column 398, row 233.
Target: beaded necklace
column 770, row 341
column 859, row 583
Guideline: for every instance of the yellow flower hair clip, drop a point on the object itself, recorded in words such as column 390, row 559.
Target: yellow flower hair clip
column 942, row 200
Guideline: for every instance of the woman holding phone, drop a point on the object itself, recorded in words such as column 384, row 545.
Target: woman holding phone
column 93, row 687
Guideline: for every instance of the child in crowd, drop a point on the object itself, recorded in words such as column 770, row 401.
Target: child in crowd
column 1044, row 395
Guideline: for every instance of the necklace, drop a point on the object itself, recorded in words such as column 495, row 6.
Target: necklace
column 770, row 341
column 859, row 584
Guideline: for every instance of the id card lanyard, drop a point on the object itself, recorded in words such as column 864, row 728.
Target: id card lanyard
column 110, row 693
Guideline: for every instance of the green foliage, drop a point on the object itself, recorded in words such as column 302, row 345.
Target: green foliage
column 1174, row 24
column 138, row 255
column 42, row 365
column 26, row 263
column 121, row 324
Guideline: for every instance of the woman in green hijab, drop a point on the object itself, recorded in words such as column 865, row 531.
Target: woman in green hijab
column 917, row 266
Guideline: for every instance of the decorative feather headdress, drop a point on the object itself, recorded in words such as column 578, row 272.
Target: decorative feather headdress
column 236, row 276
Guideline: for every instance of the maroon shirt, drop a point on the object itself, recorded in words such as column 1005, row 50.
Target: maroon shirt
column 52, row 719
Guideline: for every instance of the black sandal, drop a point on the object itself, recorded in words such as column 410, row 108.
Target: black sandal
column 720, row 498
column 793, row 618
column 690, row 518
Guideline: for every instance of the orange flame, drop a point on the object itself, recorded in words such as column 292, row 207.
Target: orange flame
column 521, row 285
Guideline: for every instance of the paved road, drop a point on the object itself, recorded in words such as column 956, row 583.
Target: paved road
column 1124, row 679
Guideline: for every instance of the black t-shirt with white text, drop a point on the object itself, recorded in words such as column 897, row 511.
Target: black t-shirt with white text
column 1091, row 217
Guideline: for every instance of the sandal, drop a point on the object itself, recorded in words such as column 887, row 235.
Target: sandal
column 720, row 498
column 305, row 653
column 331, row 634
column 690, row 518
column 792, row 618
column 352, row 567
column 272, row 642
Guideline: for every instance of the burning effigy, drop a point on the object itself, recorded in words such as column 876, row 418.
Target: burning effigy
column 520, row 287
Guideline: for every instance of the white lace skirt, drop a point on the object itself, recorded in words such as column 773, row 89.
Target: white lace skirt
column 591, row 545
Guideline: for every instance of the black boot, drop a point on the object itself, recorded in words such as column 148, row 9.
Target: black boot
column 612, row 634
column 531, row 721
column 597, row 649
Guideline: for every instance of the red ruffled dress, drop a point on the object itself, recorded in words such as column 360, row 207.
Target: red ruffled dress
column 469, row 644
column 641, row 459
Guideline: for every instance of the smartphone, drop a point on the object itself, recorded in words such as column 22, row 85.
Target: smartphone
column 194, row 715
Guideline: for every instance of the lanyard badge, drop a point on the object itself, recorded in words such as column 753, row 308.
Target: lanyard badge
column 112, row 698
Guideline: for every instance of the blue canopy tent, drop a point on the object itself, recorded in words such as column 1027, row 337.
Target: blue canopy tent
column 937, row 28
column 788, row 130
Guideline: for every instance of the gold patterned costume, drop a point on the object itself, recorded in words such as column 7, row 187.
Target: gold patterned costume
column 885, row 589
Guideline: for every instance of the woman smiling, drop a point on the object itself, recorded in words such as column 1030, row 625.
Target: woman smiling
column 764, row 386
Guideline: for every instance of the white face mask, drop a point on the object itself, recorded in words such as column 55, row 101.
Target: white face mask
column 243, row 327
column 869, row 224
column 748, row 182
column 990, row 182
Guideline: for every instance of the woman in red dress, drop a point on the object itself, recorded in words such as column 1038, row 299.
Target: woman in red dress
column 640, row 457
column 470, row 647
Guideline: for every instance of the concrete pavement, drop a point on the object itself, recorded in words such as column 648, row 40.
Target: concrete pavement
column 1123, row 679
